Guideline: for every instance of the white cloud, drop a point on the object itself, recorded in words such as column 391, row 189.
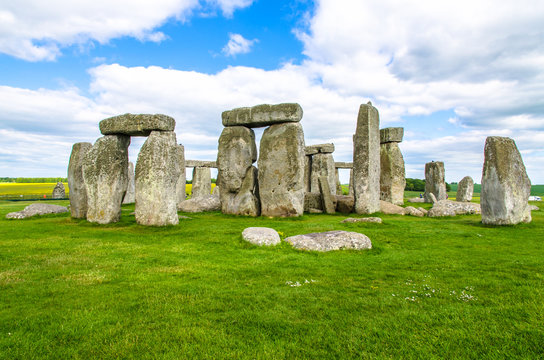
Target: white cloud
column 238, row 45
column 36, row 30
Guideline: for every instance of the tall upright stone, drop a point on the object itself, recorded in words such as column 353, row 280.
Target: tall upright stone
column 366, row 160
column 59, row 192
column 182, row 181
column 202, row 182
column 237, row 177
column 505, row 184
column 129, row 197
column 323, row 165
column 435, row 182
column 76, row 183
column 157, row 173
column 281, row 170
column 307, row 173
column 465, row 189
column 105, row 172
column 392, row 173
column 338, row 183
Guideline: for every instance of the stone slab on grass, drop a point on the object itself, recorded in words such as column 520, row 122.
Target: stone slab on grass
column 37, row 209
column 375, row 220
column 261, row 236
column 208, row 203
column 330, row 240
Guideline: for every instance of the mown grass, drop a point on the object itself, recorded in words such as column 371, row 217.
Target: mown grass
column 429, row 288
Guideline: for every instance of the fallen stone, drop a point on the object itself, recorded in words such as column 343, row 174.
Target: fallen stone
column 37, row 209
column 261, row 236
column 315, row 211
column 432, row 198
column 281, row 170
column 209, row 203
column 183, row 217
column 391, row 209
column 423, row 210
column 345, row 204
column 129, row 197
column 157, row 174
column 391, row 134
column 319, row 149
column 330, row 240
column 505, row 184
column 376, row 220
column 416, row 200
column 76, row 183
column 435, row 181
column 105, row 170
column 465, row 189
column 410, row 210
column 366, row 160
column 58, row 191
column 534, row 208
column 262, row 115
column 136, row 124
column 452, row 208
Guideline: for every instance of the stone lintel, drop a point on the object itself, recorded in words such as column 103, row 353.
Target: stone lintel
column 319, row 149
column 262, row 115
column 136, row 124
column 343, row 165
column 391, row 134
column 200, row 163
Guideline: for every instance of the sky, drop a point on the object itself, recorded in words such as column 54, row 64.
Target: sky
column 450, row 73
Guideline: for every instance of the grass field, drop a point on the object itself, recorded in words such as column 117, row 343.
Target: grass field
column 429, row 288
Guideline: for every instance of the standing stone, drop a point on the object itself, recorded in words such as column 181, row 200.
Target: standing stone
column 328, row 204
column 202, row 182
column 237, row 177
column 182, row 180
column 308, row 173
column 58, row 191
column 281, row 170
column 323, row 165
column 76, row 183
column 350, row 187
column 366, row 160
column 505, row 184
column 392, row 175
column 105, row 170
column 129, row 194
column 157, row 173
column 338, row 183
column 435, row 181
column 465, row 189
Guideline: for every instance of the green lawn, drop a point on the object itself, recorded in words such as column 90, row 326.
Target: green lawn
column 429, row 288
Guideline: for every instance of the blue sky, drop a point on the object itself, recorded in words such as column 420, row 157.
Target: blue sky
column 450, row 73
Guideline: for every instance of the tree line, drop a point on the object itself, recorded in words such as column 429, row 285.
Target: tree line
column 33, row 180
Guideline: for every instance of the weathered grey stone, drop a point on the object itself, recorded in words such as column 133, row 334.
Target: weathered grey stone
column 105, row 170
column 315, row 211
column 326, row 195
column 200, row 163
column 465, row 189
column 392, row 175
column 262, row 115
column 410, row 210
column 505, row 184
column 423, row 210
column 202, row 182
column 313, row 200
column 129, row 197
column 330, row 240
column 375, row 220
column 157, row 173
column 351, row 192
column 391, row 134
column 261, row 236
column 416, row 200
column 281, row 170
column 237, row 177
column 181, row 184
column 307, row 173
column 345, row 204
column 534, row 208
column 343, row 165
column 319, row 149
column 366, row 160
column 76, row 183
column 452, row 208
column 435, row 181
column 136, row 124
column 37, row 209
column 58, row 191
column 432, row 198
column 216, row 191
column 391, row 209
column 323, row 165
column 201, row 204
column 338, row 183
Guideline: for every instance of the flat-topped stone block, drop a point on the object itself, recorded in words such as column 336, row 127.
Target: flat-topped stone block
column 320, row 148
column 200, row 163
column 343, row 165
column 262, row 115
column 137, row 124
column 391, row 134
